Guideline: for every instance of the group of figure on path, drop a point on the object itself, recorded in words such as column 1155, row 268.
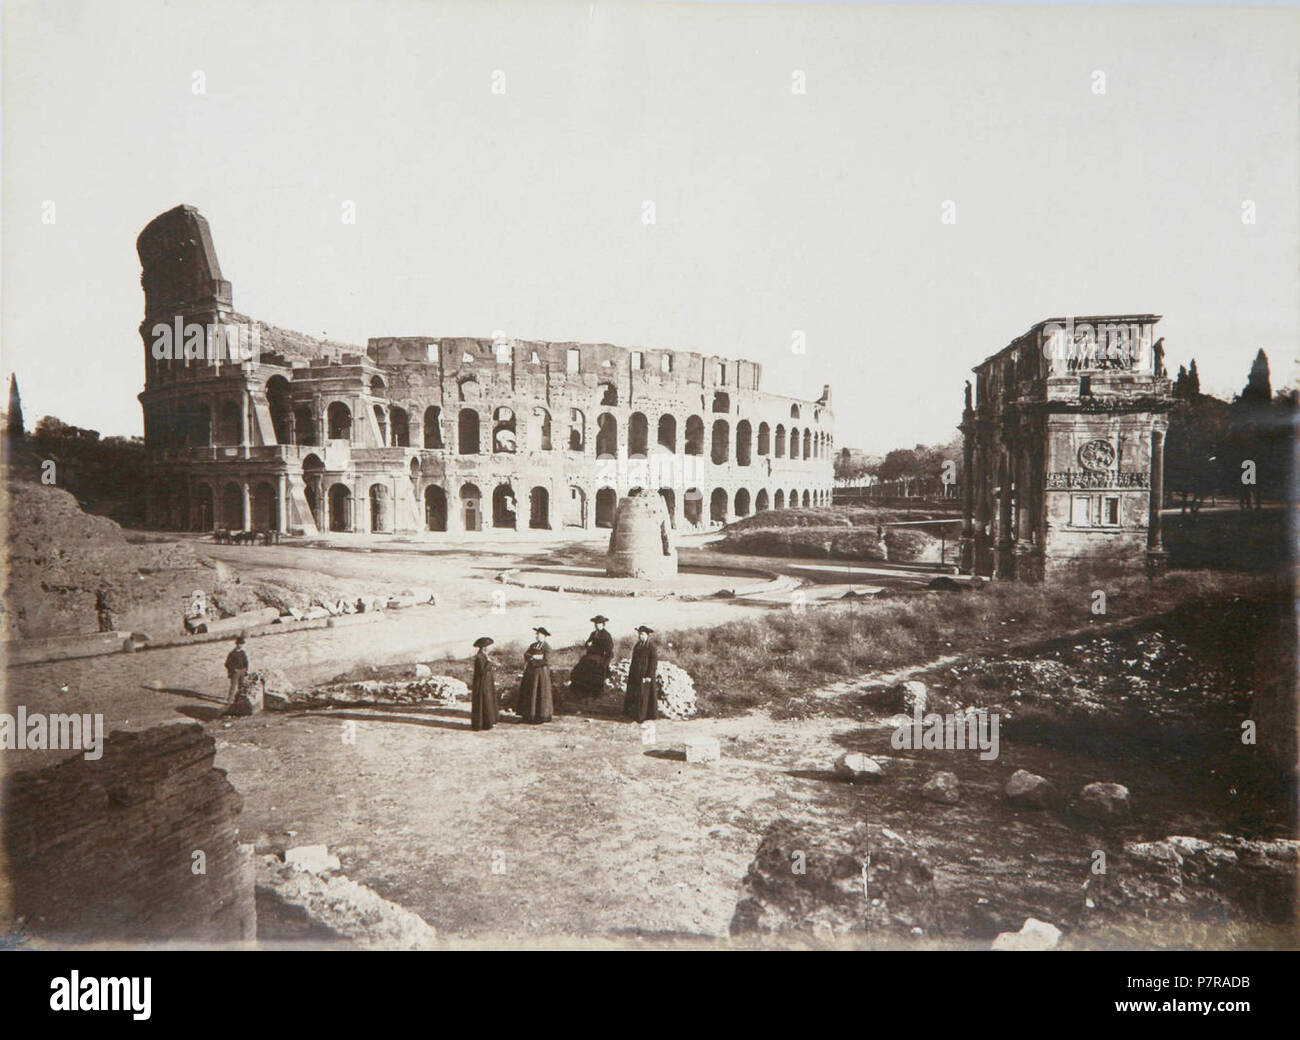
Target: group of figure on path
column 535, row 701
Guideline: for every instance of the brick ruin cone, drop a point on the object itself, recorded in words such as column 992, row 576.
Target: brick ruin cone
column 641, row 544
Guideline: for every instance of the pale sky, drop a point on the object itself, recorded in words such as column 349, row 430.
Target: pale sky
column 774, row 211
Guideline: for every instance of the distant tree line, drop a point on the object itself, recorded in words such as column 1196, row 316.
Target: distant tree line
column 1243, row 449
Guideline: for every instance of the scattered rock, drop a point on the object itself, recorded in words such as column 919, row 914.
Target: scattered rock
column 1029, row 790
column 1033, row 935
column 913, row 697
column 675, row 691
column 1104, row 801
column 344, row 907
column 703, row 749
column 315, row 858
column 942, row 787
column 423, row 671
column 857, row 768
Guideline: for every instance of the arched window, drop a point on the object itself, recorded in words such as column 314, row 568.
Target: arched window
column 718, row 506
column 304, row 425
column 433, row 427
column 764, row 439
column 277, row 398
column 744, row 443
column 577, row 431
column 794, row 411
column 742, row 502
column 467, row 431
column 668, row 433
column 638, row 434
column 340, row 507
column 606, row 503
column 692, row 505
column 807, row 443
column 694, row 435
column 780, row 442
column 761, row 501
column 778, row 500
column 503, row 506
column 606, row 435
column 794, row 443
column 401, row 423
column 339, row 421
column 540, row 434
column 503, row 430
column 435, row 508
column 721, row 446
column 539, row 509
column 381, row 420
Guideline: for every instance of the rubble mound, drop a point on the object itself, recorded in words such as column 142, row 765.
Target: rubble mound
column 675, row 690
column 71, row 573
column 435, row 689
column 359, row 914
column 807, row 883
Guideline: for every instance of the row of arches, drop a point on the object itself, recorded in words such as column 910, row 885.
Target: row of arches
column 778, row 443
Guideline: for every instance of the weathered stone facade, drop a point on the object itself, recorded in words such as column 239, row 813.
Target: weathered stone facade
column 1064, row 449
column 443, row 434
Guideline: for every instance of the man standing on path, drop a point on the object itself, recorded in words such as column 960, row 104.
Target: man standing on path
column 236, row 669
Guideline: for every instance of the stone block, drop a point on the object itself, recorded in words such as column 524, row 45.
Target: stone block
column 703, row 749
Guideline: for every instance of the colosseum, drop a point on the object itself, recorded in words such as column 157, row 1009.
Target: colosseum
column 253, row 427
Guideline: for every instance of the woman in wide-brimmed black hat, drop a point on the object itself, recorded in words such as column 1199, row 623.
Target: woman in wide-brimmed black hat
column 536, row 702
column 483, row 691
column 587, row 680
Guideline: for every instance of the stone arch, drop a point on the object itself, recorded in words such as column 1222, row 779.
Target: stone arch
column 205, row 508
column 606, row 435
column 807, row 499
column 807, row 443
column 340, row 507
column 467, row 432
column 281, row 408
column 435, row 508
column 742, row 502
column 638, row 434
column 400, row 421
column 761, row 503
column 794, row 442
column 668, row 432
column 577, row 431
column 794, row 411
column 503, row 507
column 793, row 501
column 433, row 427
column 720, row 445
column 694, row 435
column 265, row 508
column 313, row 480
column 304, row 425
column 503, row 430
column 539, row 509
column 467, row 389
column 471, row 506
column 539, row 438
column 718, row 505
column 606, row 504
column 764, row 439
column 744, row 443
column 576, row 514
column 378, row 388
column 778, row 499
column 779, row 451
column 338, row 419
column 232, row 505
column 381, row 420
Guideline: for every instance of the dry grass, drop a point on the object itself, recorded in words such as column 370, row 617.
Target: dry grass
column 774, row 660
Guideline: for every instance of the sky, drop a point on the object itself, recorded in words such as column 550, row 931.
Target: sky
column 500, row 155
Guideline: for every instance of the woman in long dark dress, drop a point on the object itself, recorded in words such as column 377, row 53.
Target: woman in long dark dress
column 642, row 697
column 588, row 676
column 536, row 703
column 483, row 691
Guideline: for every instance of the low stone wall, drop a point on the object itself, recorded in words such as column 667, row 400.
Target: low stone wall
column 106, row 850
